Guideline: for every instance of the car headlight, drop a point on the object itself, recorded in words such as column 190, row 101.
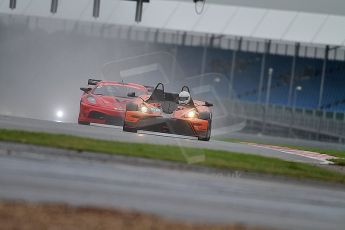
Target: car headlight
column 192, row 114
column 91, row 100
column 144, row 109
column 155, row 110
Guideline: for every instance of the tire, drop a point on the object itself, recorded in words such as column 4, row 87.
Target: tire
column 206, row 116
column 204, row 138
column 131, row 107
column 130, row 130
column 83, row 123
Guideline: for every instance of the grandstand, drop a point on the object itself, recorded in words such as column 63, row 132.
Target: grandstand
column 307, row 75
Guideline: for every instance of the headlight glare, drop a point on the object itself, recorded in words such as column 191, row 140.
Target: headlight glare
column 144, row 109
column 191, row 114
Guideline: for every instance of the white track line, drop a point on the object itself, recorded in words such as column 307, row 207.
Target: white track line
column 323, row 158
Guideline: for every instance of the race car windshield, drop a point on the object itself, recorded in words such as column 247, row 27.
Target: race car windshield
column 117, row 90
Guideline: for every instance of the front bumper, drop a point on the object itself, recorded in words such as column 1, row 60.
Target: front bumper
column 186, row 127
column 101, row 115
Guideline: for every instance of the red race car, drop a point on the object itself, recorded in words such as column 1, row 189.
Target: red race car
column 175, row 113
column 105, row 102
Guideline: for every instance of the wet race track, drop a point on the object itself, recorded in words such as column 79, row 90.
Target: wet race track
column 29, row 173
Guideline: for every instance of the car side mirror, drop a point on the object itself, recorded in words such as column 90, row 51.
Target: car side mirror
column 208, row 104
column 131, row 94
column 86, row 90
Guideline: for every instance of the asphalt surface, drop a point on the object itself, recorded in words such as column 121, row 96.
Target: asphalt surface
column 27, row 174
column 33, row 174
column 116, row 133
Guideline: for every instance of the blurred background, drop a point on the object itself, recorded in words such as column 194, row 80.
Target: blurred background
column 270, row 67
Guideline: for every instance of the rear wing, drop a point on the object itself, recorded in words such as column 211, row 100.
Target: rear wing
column 93, row 81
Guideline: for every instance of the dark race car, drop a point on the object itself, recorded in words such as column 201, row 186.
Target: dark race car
column 175, row 113
column 105, row 102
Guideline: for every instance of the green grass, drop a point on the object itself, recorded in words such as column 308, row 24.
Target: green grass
column 339, row 161
column 212, row 158
column 331, row 152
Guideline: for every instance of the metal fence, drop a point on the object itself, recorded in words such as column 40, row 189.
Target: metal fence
column 316, row 121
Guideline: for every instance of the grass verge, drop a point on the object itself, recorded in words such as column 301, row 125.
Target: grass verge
column 212, row 158
column 337, row 153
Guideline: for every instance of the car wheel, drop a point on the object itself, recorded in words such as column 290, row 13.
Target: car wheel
column 83, row 123
column 206, row 116
column 130, row 107
column 131, row 130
